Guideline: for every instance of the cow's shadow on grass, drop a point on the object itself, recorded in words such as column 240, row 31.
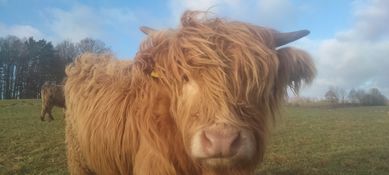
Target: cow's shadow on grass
column 361, row 161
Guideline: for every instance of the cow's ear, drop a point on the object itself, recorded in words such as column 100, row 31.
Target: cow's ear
column 295, row 67
column 147, row 30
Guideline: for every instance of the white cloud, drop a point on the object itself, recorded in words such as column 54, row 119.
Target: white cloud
column 77, row 23
column 20, row 31
column 372, row 20
column 358, row 56
column 118, row 16
column 83, row 21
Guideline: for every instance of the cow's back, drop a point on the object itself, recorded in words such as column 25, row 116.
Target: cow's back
column 96, row 103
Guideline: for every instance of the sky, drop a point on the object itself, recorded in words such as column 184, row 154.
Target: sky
column 349, row 39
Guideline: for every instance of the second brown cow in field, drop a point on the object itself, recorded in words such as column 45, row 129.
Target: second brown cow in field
column 51, row 95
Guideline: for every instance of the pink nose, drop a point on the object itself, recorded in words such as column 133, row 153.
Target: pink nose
column 221, row 141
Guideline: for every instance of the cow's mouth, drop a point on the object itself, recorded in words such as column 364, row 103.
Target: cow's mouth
column 219, row 162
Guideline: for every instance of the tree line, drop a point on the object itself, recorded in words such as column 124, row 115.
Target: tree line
column 26, row 63
column 372, row 97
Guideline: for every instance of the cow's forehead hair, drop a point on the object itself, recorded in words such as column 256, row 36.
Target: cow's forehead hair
column 190, row 89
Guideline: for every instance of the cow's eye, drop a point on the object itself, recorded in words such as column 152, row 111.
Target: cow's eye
column 244, row 109
column 185, row 78
column 195, row 114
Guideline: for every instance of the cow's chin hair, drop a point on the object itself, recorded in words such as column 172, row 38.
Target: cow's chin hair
column 226, row 166
column 219, row 163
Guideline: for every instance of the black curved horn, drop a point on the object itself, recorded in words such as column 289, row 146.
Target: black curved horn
column 287, row 37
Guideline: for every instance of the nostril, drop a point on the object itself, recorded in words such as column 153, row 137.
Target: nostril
column 236, row 142
column 206, row 141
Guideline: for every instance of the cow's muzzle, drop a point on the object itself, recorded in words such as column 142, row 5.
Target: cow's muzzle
column 221, row 144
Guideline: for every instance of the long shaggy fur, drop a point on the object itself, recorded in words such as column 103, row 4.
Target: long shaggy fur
column 51, row 95
column 122, row 120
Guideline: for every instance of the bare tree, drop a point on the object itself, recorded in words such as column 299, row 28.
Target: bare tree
column 352, row 96
column 360, row 94
column 67, row 51
column 341, row 94
column 92, row 45
column 331, row 96
column 338, row 95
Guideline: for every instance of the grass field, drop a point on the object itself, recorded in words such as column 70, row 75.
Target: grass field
column 312, row 141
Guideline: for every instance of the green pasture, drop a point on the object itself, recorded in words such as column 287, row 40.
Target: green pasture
column 305, row 141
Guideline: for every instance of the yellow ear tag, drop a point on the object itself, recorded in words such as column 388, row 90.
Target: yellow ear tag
column 154, row 74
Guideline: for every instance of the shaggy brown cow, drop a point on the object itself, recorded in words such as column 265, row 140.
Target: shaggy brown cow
column 196, row 100
column 51, row 95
